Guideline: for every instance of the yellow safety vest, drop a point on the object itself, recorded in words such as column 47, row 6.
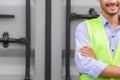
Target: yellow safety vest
column 99, row 43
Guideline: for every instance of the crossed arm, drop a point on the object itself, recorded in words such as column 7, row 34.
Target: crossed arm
column 109, row 71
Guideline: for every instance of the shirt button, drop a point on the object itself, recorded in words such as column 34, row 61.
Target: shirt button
column 113, row 36
column 112, row 50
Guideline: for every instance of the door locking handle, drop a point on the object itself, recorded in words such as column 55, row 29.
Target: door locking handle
column 7, row 16
column 6, row 40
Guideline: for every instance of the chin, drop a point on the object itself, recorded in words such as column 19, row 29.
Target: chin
column 112, row 12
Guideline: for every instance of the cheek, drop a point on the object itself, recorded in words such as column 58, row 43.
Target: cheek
column 119, row 4
column 103, row 3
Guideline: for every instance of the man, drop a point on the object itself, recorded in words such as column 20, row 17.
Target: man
column 97, row 53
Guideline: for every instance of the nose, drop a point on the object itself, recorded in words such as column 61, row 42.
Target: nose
column 114, row 1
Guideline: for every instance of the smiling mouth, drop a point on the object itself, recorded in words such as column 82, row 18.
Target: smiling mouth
column 112, row 5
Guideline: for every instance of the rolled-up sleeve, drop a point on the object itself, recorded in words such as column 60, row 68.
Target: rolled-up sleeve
column 84, row 64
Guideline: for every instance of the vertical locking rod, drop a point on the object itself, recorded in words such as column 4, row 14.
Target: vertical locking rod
column 48, row 40
column 27, row 71
column 67, row 57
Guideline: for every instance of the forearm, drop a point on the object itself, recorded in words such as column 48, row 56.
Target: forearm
column 111, row 71
column 89, row 66
column 108, row 71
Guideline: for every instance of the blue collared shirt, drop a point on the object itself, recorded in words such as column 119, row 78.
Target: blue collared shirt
column 88, row 65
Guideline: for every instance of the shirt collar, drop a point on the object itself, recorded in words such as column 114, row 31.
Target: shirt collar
column 103, row 19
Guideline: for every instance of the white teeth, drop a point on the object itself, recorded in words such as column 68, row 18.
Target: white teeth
column 112, row 5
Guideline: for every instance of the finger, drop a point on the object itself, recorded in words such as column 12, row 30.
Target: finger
column 84, row 52
column 88, row 49
column 87, row 52
column 83, row 47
